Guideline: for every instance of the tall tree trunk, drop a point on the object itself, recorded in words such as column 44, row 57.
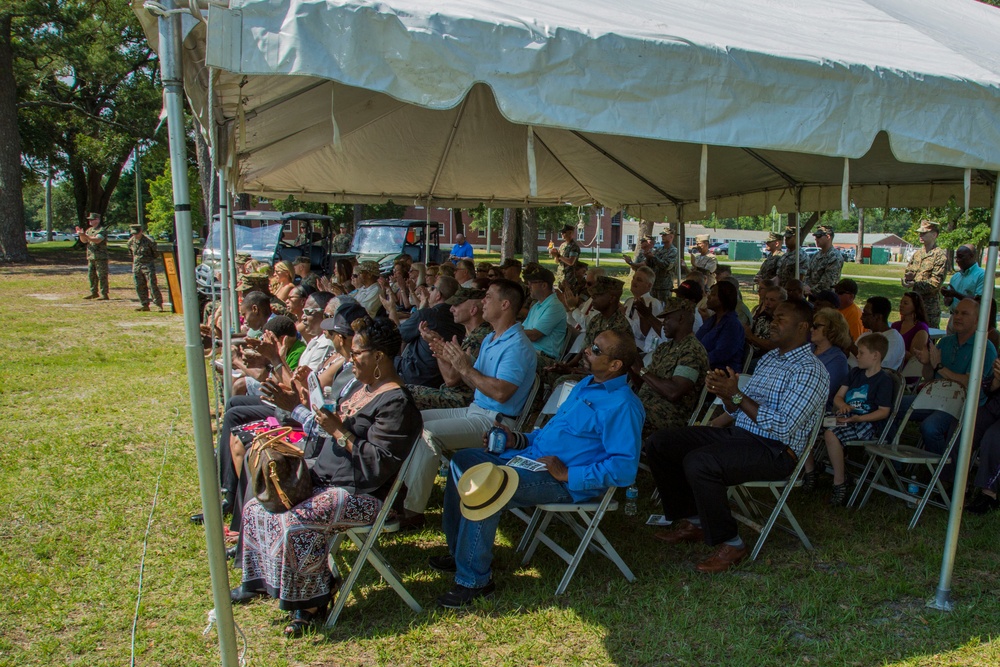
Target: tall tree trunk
column 530, row 228
column 459, row 222
column 508, row 234
column 206, row 177
column 359, row 215
column 13, row 247
column 242, row 202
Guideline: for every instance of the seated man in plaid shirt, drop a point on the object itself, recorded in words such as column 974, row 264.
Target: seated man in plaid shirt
column 769, row 426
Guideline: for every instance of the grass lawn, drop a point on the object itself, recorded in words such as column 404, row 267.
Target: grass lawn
column 91, row 392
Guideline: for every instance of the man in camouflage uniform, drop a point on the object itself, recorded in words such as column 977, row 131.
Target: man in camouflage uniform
column 925, row 271
column 664, row 263
column 673, row 381
column 769, row 267
column 467, row 309
column 786, row 264
column 97, row 256
column 143, row 251
column 703, row 260
column 826, row 265
column 566, row 256
column 606, row 295
column 342, row 241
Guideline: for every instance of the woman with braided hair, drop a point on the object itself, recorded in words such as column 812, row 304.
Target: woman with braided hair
column 370, row 434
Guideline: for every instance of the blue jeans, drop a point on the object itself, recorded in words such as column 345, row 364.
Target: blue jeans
column 936, row 427
column 471, row 542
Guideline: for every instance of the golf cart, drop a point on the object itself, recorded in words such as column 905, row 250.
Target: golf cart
column 383, row 240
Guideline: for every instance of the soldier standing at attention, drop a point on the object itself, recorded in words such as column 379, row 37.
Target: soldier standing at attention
column 925, row 272
column 342, row 241
column 769, row 267
column 826, row 265
column 786, row 265
column 566, row 256
column 703, row 259
column 143, row 251
column 97, row 256
column 664, row 263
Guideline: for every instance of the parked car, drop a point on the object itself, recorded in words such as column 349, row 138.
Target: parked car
column 849, row 254
column 810, row 250
column 34, row 237
column 764, row 253
column 720, row 248
column 119, row 236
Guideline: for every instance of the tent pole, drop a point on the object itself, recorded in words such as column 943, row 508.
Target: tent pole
column 489, row 229
column 427, row 234
column 942, row 599
column 233, row 301
column 227, row 294
column 170, row 67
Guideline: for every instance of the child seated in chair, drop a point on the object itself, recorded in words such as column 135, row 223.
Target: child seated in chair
column 862, row 406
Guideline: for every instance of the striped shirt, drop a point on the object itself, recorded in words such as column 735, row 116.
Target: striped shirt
column 790, row 390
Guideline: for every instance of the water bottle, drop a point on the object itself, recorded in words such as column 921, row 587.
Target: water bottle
column 443, row 470
column 631, row 495
column 913, row 490
column 496, row 441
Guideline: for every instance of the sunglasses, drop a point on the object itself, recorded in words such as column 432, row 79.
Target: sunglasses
column 818, row 326
column 311, row 311
column 596, row 350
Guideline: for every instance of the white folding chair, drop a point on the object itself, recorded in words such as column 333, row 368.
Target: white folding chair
column 526, row 410
column 912, row 373
column 584, row 519
column 752, row 511
column 747, row 357
column 714, row 408
column 941, row 395
column 366, row 538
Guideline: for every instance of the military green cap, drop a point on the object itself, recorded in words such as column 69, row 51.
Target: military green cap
column 606, row 284
column 465, row 294
column 675, row 303
column 790, row 231
column 823, row 230
column 775, row 236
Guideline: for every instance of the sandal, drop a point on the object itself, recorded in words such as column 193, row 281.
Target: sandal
column 302, row 620
column 809, row 480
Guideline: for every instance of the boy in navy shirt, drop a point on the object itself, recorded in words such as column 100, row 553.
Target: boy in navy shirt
column 862, row 406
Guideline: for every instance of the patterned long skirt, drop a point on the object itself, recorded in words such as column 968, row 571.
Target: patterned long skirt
column 285, row 555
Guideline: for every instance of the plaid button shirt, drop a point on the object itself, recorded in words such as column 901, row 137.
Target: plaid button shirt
column 790, row 390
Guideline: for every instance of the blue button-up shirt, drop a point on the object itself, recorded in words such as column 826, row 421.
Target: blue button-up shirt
column 969, row 282
column 597, row 433
column 461, row 251
column 548, row 317
column 790, row 390
column 509, row 358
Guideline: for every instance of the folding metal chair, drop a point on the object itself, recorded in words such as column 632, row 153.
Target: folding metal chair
column 941, row 395
column 752, row 511
column 747, row 357
column 526, row 410
column 912, row 373
column 366, row 538
column 583, row 519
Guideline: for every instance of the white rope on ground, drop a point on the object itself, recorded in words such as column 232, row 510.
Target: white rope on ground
column 149, row 525
column 246, row 646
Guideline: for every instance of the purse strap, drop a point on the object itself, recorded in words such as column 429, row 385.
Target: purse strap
column 273, row 474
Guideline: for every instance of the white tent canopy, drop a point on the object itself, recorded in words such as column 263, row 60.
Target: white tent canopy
column 519, row 103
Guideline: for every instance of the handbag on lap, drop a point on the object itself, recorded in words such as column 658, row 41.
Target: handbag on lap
column 278, row 473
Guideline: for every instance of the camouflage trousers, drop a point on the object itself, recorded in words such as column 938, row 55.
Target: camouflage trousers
column 933, row 311
column 662, row 294
column 97, row 273
column 429, row 398
column 145, row 282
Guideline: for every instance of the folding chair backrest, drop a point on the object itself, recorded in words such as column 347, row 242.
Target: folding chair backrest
column 526, row 410
column 571, row 335
column 747, row 357
column 715, row 406
column 898, row 389
column 556, row 398
column 912, row 369
column 693, row 419
column 943, row 395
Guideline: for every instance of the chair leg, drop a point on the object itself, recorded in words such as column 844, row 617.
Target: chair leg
column 529, row 532
column 538, row 533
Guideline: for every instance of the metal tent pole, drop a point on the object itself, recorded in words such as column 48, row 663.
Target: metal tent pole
column 942, row 598
column 170, row 68
column 227, row 294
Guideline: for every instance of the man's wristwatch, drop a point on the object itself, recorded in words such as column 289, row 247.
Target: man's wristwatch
column 736, row 399
column 344, row 440
column 643, row 371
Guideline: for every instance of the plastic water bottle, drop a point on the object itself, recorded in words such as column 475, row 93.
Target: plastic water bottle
column 913, row 490
column 443, row 470
column 329, row 402
column 631, row 495
column 496, row 442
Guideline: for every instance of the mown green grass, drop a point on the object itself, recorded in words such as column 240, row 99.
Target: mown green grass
column 90, row 392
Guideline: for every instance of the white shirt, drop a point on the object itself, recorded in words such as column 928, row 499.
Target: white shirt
column 317, row 351
column 655, row 305
column 368, row 297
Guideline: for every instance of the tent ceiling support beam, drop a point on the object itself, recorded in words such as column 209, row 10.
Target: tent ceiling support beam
column 562, row 164
column 757, row 156
column 645, row 181
column 447, row 148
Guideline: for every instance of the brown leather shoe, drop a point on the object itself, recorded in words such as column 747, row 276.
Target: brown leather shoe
column 143, row 309
column 683, row 531
column 723, row 559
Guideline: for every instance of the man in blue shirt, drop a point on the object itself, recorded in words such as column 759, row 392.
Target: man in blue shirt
column 590, row 444
column 501, row 376
column 545, row 325
column 772, row 419
column 968, row 281
column 461, row 250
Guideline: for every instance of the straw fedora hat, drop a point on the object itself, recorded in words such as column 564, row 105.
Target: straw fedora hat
column 485, row 488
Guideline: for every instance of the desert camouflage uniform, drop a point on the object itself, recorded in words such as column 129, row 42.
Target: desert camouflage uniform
column 768, row 268
column 342, row 243
column 143, row 251
column 568, row 250
column 824, row 270
column 97, row 260
column 660, row 412
column 705, row 264
column 928, row 269
column 428, row 398
column 598, row 324
column 786, row 267
column 663, row 261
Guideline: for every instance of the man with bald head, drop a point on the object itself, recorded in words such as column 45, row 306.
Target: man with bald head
column 968, row 281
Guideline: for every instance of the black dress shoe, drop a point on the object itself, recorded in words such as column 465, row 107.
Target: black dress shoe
column 983, row 504
column 412, row 521
column 231, row 552
column 460, row 596
column 240, row 595
column 445, row 563
column 198, row 519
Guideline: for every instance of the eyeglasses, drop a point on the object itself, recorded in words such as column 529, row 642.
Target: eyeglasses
column 818, row 326
column 596, row 350
column 355, row 353
column 311, row 311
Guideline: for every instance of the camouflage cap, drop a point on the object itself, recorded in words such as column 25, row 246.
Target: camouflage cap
column 790, row 231
column 567, row 228
column 369, row 266
column 823, row 230
column 539, row 274
column 775, row 236
column 928, row 226
column 465, row 294
column 253, row 282
column 606, row 285
column 648, row 237
column 669, row 229
column 675, row 303
column 135, row 228
column 243, row 257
